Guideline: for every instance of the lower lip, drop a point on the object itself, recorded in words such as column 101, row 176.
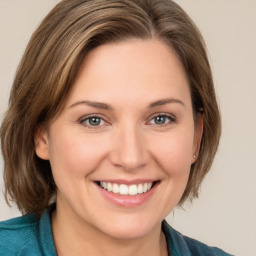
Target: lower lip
column 128, row 201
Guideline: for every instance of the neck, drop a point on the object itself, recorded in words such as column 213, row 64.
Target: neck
column 73, row 236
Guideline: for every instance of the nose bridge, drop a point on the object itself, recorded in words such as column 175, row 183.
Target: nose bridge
column 129, row 147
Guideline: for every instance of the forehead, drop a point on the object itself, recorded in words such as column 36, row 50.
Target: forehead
column 145, row 69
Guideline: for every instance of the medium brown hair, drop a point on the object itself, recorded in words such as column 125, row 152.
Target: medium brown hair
column 50, row 64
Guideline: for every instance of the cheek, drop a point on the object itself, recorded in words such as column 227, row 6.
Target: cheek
column 76, row 155
column 174, row 153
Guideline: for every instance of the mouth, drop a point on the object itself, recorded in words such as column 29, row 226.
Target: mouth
column 125, row 189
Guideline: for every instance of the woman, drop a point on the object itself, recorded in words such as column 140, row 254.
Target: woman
column 112, row 122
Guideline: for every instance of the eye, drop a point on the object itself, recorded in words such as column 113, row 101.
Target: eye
column 162, row 120
column 92, row 121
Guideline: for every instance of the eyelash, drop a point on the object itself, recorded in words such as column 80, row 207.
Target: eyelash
column 84, row 121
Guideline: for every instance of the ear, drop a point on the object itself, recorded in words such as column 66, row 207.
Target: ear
column 199, row 127
column 41, row 143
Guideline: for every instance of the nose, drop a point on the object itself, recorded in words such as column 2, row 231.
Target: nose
column 129, row 149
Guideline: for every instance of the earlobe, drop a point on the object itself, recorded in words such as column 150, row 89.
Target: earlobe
column 198, row 136
column 41, row 143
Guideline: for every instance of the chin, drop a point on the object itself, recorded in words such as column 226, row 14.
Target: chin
column 129, row 228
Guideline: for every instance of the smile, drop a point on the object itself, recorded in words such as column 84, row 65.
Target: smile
column 128, row 194
column 123, row 189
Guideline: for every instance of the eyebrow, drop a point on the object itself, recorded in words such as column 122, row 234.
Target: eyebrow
column 105, row 106
column 93, row 104
column 165, row 101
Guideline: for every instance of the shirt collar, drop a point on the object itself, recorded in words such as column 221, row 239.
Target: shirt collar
column 175, row 243
column 45, row 233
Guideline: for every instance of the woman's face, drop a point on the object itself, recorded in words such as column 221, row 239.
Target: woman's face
column 122, row 148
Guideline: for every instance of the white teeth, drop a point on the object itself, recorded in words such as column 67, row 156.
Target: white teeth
column 123, row 189
column 103, row 185
column 109, row 187
column 115, row 188
column 133, row 190
column 145, row 187
column 140, row 189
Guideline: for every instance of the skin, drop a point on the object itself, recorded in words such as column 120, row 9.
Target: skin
column 126, row 144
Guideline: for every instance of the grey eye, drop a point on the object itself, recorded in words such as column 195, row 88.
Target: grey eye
column 161, row 119
column 92, row 121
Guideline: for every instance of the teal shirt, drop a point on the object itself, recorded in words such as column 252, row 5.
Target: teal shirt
column 30, row 236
